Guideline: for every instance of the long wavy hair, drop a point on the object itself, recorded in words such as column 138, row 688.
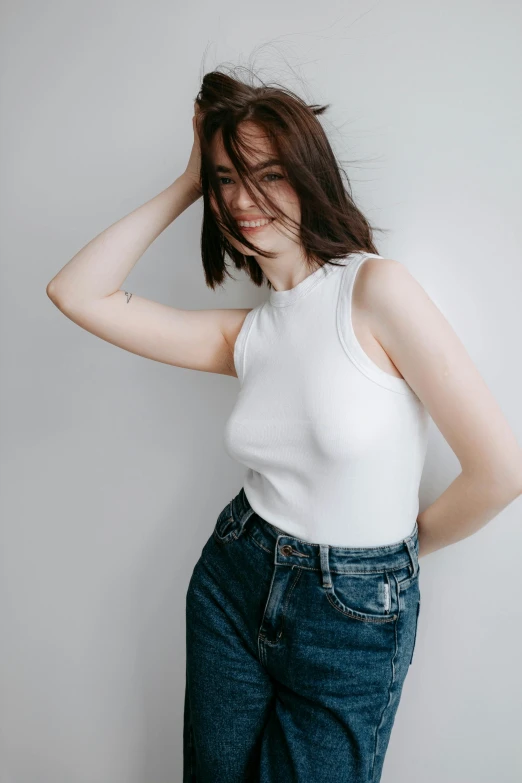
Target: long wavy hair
column 331, row 224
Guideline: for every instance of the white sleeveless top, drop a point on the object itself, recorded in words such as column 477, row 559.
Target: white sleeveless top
column 334, row 446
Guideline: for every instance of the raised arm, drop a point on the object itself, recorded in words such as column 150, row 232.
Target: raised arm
column 88, row 290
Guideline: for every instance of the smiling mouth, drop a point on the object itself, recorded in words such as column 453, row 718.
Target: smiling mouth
column 249, row 229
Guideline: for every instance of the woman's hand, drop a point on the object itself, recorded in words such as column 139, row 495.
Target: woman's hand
column 193, row 170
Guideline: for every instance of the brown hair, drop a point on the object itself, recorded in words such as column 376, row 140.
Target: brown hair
column 331, row 224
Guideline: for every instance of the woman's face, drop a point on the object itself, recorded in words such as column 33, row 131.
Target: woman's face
column 275, row 236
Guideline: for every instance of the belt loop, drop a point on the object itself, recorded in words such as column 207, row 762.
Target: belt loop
column 244, row 519
column 325, row 568
column 240, row 510
column 413, row 555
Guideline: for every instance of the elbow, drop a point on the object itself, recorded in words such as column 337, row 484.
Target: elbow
column 504, row 483
column 51, row 291
column 55, row 294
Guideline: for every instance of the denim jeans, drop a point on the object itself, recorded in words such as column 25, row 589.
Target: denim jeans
column 296, row 654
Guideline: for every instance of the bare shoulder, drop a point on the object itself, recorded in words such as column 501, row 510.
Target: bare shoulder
column 385, row 286
column 385, row 292
column 376, row 273
column 373, row 274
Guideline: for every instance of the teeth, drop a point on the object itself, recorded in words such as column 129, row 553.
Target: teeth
column 253, row 223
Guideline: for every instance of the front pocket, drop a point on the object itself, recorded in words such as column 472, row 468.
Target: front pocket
column 370, row 598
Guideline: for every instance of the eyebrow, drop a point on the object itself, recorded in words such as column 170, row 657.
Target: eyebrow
column 263, row 165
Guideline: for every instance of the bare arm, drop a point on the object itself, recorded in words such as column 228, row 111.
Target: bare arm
column 100, row 268
column 87, row 290
column 430, row 356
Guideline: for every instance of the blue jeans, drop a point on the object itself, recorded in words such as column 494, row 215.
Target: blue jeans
column 296, row 654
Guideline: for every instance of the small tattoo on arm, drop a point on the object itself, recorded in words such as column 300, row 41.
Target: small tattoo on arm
column 128, row 296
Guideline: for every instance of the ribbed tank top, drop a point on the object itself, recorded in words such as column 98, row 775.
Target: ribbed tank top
column 334, row 446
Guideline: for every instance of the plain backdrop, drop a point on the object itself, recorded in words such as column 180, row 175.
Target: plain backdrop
column 113, row 467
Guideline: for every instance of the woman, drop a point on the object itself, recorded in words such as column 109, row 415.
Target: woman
column 302, row 610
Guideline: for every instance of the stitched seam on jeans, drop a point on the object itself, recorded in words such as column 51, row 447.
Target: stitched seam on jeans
column 368, row 572
column 352, row 613
column 283, row 611
column 257, row 543
column 387, row 705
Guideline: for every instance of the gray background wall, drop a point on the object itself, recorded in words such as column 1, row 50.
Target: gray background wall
column 113, row 468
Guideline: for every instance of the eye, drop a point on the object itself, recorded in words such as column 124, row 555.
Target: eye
column 271, row 174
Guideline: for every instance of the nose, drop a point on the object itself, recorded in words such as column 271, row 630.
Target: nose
column 240, row 198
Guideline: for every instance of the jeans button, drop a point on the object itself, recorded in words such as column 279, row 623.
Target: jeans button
column 286, row 549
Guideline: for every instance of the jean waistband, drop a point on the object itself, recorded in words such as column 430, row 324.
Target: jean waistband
column 289, row 550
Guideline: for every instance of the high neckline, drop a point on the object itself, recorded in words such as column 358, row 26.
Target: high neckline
column 284, row 298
